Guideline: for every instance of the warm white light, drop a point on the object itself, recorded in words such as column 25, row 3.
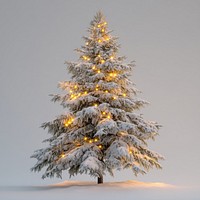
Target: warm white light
column 85, row 138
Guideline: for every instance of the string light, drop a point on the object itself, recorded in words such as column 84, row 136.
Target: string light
column 114, row 97
column 106, row 38
column 95, row 105
column 100, row 146
column 85, row 92
column 98, row 71
column 70, row 91
column 102, row 61
column 103, row 30
column 124, row 94
column 105, row 23
column 90, row 141
column 94, row 67
column 98, row 25
column 99, row 40
column 103, row 113
column 106, row 91
column 99, row 55
column 86, row 43
column 85, row 138
column 97, row 89
column 62, row 155
column 95, row 139
column 111, row 57
column 108, row 116
column 75, row 87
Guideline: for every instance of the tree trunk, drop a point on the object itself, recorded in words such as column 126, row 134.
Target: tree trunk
column 100, row 179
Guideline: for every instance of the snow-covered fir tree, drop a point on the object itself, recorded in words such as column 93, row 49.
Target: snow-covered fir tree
column 100, row 130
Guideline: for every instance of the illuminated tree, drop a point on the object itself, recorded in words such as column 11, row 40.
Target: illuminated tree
column 100, row 131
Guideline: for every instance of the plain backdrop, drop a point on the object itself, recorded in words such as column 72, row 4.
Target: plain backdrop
column 38, row 36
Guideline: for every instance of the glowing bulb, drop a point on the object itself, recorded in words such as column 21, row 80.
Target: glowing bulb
column 111, row 74
column 100, row 146
column 79, row 94
column 103, row 30
column 94, row 67
column 86, row 43
column 108, row 116
column 98, row 25
column 98, row 71
column 95, row 139
column 111, row 57
column 106, row 91
column 106, row 38
column 124, row 94
column 102, row 61
column 95, row 105
column 96, row 89
column 62, row 155
column 90, row 141
column 99, row 55
column 99, row 41
column 114, row 74
column 88, row 59
column 130, row 152
column 85, row 138
column 75, row 87
column 103, row 113
column 105, row 23
column 85, row 92
column 70, row 91
column 114, row 97
column 72, row 96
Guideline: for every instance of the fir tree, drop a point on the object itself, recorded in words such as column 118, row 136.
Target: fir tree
column 100, row 130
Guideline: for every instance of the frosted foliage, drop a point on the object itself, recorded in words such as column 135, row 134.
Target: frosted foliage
column 100, row 130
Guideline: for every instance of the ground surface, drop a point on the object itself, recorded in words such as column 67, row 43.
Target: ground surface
column 74, row 190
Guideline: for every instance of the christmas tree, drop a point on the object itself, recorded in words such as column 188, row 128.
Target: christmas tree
column 100, row 130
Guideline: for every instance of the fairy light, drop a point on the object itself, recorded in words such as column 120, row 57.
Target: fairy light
column 124, row 94
column 85, row 92
column 95, row 139
column 70, row 91
column 103, row 113
column 99, row 71
column 75, row 87
column 94, row 67
column 106, row 38
column 99, row 40
column 62, row 155
column 97, row 89
column 86, row 43
column 100, row 146
column 85, row 138
column 111, row 57
column 95, row 105
column 102, row 30
column 102, row 61
column 108, row 116
column 98, row 25
column 105, row 23
column 114, row 97
column 90, row 141
column 99, row 55
column 106, row 91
